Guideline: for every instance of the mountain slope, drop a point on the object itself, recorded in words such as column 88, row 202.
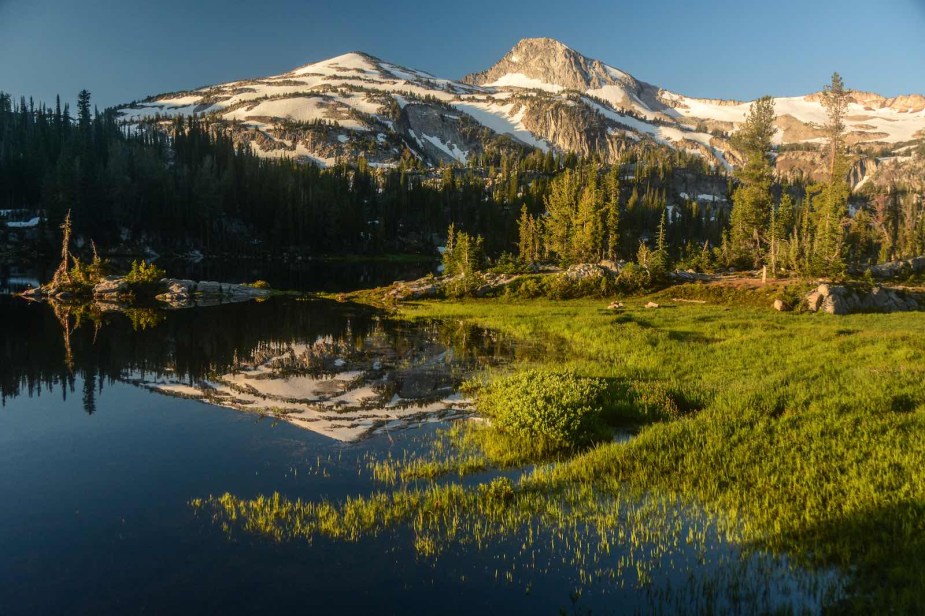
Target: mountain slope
column 541, row 94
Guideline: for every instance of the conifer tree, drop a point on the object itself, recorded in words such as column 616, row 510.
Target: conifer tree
column 612, row 212
column 752, row 200
column 832, row 211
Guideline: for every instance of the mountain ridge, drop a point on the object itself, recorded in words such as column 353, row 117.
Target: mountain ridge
column 540, row 94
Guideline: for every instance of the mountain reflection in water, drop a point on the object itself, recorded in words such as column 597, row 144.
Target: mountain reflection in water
column 339, row 369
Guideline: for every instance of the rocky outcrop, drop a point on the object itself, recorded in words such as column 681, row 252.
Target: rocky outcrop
column 187, row 293
column 899, row 269
column 549, row 61
column 110, row 289
column 431, row 287
column 445, row 135
column 843, row 299
column 585, row 271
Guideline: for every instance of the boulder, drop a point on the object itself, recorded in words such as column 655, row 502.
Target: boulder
column 779, row 305
column 176, row 285
column 814, row 301
column 651, row 305
column 111, row 287
column 839, row 299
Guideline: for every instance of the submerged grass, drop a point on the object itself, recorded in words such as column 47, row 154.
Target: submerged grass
column 800, row 435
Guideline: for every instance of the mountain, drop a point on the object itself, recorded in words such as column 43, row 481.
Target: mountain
column 542, row 94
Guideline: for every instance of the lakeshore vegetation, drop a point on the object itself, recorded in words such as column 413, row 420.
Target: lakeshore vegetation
column 796, row 434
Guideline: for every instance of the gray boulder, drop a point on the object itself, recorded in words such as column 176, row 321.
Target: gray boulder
column 839, row 299
column 110, row 287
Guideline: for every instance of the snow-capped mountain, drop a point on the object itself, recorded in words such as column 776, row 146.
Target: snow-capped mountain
column 541, row 94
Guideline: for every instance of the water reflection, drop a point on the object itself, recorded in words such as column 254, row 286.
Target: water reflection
column 340, row 369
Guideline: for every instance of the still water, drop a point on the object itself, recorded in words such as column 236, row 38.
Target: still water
column 98, row 467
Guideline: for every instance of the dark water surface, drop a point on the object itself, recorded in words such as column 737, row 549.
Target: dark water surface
column 97, row 473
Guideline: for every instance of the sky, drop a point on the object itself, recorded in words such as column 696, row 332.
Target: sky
column 129, row 49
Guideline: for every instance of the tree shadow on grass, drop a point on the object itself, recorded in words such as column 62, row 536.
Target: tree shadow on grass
column 881, row 550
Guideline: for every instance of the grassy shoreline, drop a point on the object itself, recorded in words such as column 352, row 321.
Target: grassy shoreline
column 801, row 435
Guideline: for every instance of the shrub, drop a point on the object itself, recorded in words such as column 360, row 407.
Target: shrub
column 89, row 274
column 463, row 286
column 558, row 406
column 144, row 273
column 510, row 264
column 633, row 279
column 144, row 279
column 260, row 284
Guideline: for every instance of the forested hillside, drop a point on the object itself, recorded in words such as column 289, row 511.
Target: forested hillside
column 185, row 185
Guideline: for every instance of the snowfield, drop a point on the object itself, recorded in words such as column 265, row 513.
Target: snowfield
column 359, row 93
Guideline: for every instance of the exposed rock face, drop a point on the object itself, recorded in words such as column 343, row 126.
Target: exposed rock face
column 838, row 299
column 862, row 170
column 571, row 127
column 549, row 61
column 906, row 103
column 446, row 135
column 540, row 92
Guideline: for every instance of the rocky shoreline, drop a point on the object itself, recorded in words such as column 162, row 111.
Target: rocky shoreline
column 116, row 291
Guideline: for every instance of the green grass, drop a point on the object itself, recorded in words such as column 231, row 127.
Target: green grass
column 798, row 434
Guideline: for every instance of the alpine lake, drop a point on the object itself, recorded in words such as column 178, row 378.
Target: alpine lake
column 307, row 455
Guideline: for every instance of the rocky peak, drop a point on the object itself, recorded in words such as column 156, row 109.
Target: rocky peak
column 548, row 61
column 906, row 103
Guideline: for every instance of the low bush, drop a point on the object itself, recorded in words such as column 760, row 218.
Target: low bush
column 144, row 278
column 144, row 273
column 560, row 407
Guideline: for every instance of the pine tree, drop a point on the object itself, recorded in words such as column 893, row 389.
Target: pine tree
column 562, row 207
column 829, row 258
column 612, row 212
column 752, row 200
column 587, row 239
column 83, row 110
column 835, row 101
column 658, row 260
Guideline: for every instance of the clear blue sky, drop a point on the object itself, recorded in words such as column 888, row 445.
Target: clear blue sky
column 128, row 49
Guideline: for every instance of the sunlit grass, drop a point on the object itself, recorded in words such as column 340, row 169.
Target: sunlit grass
column 801, row 435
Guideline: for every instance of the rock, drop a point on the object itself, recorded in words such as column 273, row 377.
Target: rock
column 175, row 285
column 814, row 301
column 584, row 271
column 840, row 299
column 835, row 304
column 897, row 269
column 651, row 305
column 690, row 276
column 111, row 287
column 615, row 306
column 614, row 267
column 779, row 305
